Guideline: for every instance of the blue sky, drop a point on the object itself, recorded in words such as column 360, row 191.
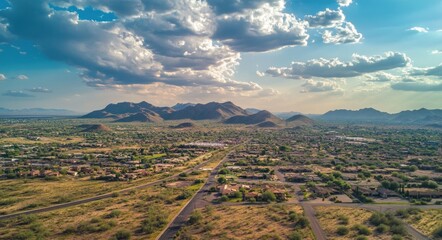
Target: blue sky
column 299, row 55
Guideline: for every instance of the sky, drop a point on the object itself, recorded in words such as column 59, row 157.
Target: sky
column 280, row 55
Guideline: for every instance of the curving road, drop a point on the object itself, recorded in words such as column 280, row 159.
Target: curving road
column 197, row 201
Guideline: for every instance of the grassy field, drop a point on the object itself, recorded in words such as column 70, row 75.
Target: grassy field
column 426, row 221
column 141, row 214
column 332, row 217
column 247, row 222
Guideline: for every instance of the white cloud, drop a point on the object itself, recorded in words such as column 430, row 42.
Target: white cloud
column 22, row 77
column 430, row 71
column 418, row 86
column 326, row 19
column 436, row 52
column 320, row 86
column 183, row 43
column 381, row 77
column 344, row 3
column 40, row 90
column 11, row 93
column 262, row 29
column 260, row 74
column 418, row 29
column 346, row 33
column 334, row 68
column 2, row 77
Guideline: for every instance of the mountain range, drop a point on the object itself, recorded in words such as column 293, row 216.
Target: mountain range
column 226, row 112
column 415, row 117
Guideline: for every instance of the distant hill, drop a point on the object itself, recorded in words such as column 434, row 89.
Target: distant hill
column 421, row 116
column 300, row 120
column 209, row 111
column 125, row 109
column 262, row 116
column 365, row 114
column 285, row 115
column 415, row 117
column 184, row 125
column 36, row 112
column 146, row 112
column 267, row 124
column 252, row 110
column 94, row 128
column 149, row 116
column 181, row 106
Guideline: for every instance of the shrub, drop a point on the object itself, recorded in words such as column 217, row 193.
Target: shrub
column 382, row 228
column 361, row 238
column 302, row 222
column 184, row 195
column 438, row 232
column 224, row 198
column 195, row 218
column 362, row 230
column 399, row 230
column 343, row 219
column 236, row 195
column 342, row 231
column 293, row 216
column 24, row 235
column 27, row 219
column 122, row 235
column 222, row 180
column 268, row 196
column 114, row 214
column 295, row 236
column 155, row 219
column 198, row 181
column 396, row 237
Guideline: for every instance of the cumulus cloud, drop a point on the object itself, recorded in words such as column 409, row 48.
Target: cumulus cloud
column 335, row 68
column 344, row 3
column 22, row 77
column 346, row 33
column 320, row 86
column 2, row 77
column 431, row 71
column 262, row 29
column 40, row 90
column 381, row 77
column 183, row 43
column 11, row 93
column 436, row 52
column 260, row 74
column 418, row 29
column 417, row 86
column 325, row 19
column 229, row 7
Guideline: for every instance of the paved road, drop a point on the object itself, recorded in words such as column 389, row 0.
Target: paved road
column 310, row 214
column 100, row 197
column 197, row 201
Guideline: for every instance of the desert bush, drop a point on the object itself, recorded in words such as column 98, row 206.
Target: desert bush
column 342, row 230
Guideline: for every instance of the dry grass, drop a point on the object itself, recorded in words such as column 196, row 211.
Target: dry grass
column 132, row 206
column 24, row 194
column 247, row 222
column 426, row 221
column 42, row 140
column 329, row 218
